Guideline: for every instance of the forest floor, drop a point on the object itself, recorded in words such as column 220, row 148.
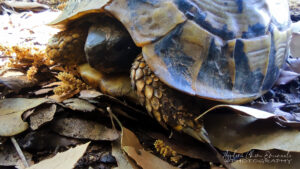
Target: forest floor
column 84, row 128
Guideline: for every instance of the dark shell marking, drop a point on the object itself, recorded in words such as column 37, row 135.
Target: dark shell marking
column 229, row 64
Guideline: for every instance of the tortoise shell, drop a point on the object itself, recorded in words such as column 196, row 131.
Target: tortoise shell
column 229, row 51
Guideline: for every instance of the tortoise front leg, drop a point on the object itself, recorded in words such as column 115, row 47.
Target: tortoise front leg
column 109, row 47
column 166, row 105
column 169, row 106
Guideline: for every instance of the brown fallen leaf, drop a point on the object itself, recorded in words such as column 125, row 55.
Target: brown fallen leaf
column 42, row 115
column 240, row 129
column 84, row 129
column 79, row 105
column 89, row 94
column 64, row 160
column 294, row 64
column 46, row 140
column 146, row 160
column 43, row 91
column 11, row 110
column 285, row 77
column 131, row 145
column 123, row 161
column 16, row 83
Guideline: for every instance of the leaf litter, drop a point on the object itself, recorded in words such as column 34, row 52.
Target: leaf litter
column 239, row 132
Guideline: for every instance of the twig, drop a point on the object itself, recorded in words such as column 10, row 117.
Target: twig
column 111, row 118
column 19, row 151
column 114, row 117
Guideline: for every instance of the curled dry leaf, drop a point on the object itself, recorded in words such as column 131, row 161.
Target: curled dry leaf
column 16, row 83
column 64, row 160
column 79, row 105
column 84, row 129
column 247, row 128
column 131, row 145
column 294, row 64
column 42, row 115
column 285, row 77
column 11, row 111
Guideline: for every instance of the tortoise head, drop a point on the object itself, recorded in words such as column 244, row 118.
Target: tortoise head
column 109, row 48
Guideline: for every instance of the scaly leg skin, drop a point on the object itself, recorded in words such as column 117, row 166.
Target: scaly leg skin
column 168, row 106
column 67, row 47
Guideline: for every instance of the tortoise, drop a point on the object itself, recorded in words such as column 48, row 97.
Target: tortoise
column 173, row 54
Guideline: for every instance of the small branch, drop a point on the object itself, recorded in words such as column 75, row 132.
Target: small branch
column 114, row 117
column 111, row 117
column 19, row 151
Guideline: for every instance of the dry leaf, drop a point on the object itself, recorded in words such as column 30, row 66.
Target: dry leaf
column 131, row 145
column 240, row 129
column 42, row 115
column 64, row 160
column 294, row 64
column 129, row 139
column 146, row 160
column 79, row 105
column 11, row 110
column 43, row 91
column 295, row 40
column 46, row 140
column 83, row 129
column 285, row 77
column 123, row 161
column 16, row 83
column 89, row 94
